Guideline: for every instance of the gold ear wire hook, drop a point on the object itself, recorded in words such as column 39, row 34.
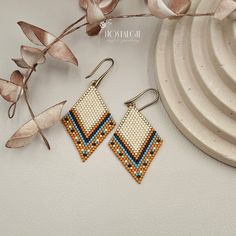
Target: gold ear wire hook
column 98, row 81
column 132, row 101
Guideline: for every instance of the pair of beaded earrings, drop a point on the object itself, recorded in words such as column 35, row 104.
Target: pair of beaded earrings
column 135, row 142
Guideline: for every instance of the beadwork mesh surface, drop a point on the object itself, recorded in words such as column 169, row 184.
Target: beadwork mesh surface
column 135, row 143
column 88, row 122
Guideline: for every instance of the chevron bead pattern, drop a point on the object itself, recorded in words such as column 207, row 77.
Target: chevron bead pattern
column 88, row 122
column 135, row 143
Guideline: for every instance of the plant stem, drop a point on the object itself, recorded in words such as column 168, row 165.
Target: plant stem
column 197, row 14
column 73, row 24
column 150, row 15
column 29, row 107
column 30, row 72
column 12, row 108
column 33, row 117
column 129, row 16
column 73, row 30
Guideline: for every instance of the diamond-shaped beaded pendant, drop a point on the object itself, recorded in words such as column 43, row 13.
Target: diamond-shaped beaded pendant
column 135, row 143
column 88, row 122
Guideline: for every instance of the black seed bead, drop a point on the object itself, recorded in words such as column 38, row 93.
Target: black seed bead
column 94, row 144
column 152, row 152
column 120, row 154
column 129, row 165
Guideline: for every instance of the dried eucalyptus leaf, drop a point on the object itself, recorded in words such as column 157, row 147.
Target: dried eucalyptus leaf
column 9, row 91
column 50, row 117
column 224, row 9
column 94, row 13
column 17, row 78
column 108, row 6
column 93, row 30
column 35, row 34
column 180, row 6
column 84, row 3
column 232, row 16
column 28, row 131
column 21, row 63
column 160, row 9
column 23, row 136
column 58, row 50
column 32, row 56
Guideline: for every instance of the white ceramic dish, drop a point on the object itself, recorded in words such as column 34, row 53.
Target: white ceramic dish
column 196, row 75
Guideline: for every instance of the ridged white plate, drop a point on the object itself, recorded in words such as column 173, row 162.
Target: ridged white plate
column 196, row 76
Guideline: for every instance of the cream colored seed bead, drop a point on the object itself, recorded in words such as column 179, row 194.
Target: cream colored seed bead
column 135, row 129
column 90, row 108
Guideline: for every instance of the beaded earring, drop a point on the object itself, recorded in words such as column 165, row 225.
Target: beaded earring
column 135, row 141
column 89, row 121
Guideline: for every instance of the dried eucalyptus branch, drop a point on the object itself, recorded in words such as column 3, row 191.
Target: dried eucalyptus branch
column 30, row 72
column 97, row 11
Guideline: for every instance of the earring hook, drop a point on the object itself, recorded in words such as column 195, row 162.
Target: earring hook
column 133, row 100
column 99, row 80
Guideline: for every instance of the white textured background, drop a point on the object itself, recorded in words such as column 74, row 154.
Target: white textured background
column 46, row 193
